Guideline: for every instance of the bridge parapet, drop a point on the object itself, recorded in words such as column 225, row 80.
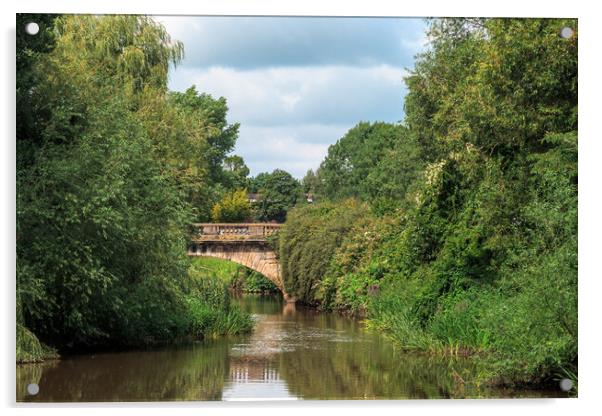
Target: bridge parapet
column 229, row 231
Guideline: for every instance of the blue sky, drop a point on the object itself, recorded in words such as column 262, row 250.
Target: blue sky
column 297, row 84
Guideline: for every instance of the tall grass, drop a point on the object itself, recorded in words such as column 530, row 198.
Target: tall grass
column 210, row 311
column 30, row 349
column 208, row 322
column 223, row 270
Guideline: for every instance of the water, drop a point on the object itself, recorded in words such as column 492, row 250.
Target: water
column 293, row 353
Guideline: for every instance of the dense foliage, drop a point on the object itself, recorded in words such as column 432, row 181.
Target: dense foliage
column 373, row 161
column 454, row 231
column 111, row 169
column 237, row 172
column 308, row 242
column 475, row 248
column 278, row 193
column 234, row 207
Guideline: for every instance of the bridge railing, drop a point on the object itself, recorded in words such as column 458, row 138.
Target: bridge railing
column 227, row 231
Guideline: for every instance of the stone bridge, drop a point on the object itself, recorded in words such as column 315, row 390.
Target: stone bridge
column 245, row 244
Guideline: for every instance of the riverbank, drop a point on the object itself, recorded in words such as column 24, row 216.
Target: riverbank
column 456, row 229
column 235, row 276
column 294, row 353
column 29, row 349
column 337, row 256
column 205, row 312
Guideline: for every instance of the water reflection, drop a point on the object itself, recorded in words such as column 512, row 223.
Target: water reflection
column 192, row 373
column 292, row 353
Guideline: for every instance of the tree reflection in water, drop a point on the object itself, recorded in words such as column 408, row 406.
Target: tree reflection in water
column 294, row 352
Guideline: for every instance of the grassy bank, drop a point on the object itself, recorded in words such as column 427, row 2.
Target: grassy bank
column 237, row 277
column 521, row 324
column 494, row 275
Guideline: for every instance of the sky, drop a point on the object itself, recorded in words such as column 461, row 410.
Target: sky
column 296, row 84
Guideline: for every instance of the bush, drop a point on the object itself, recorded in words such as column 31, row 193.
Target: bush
column 482, row 264
column 308, row 242
column 234, row 207
column 30, row 349
column 474, row 248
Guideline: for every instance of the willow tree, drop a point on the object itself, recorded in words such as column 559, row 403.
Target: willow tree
column 198, row 149
column 102, row 210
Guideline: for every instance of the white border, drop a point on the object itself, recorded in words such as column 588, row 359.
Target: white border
column 590, row 288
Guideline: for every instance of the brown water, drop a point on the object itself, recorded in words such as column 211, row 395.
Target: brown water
column 293, row 353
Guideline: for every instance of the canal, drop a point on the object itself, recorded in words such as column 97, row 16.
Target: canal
column 293, row 353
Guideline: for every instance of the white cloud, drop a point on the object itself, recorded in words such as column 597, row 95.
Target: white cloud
column 290, row 100
column 286, row 95
column 290, row 115
column 295, row 148
column 296, row 85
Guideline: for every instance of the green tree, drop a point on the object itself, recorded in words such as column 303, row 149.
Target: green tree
column 373, row 161
column 257, row 183
column 30, row 113
column 278, row 193
column 96, row 217
column 310, row 183
column 234, row 207
column 237, row 172
column 104, row 193
column 208, row 115
column 193, row 137
column 481, row 255
column 497, row 84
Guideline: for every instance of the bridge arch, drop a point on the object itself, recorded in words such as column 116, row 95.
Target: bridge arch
column 245, row 244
